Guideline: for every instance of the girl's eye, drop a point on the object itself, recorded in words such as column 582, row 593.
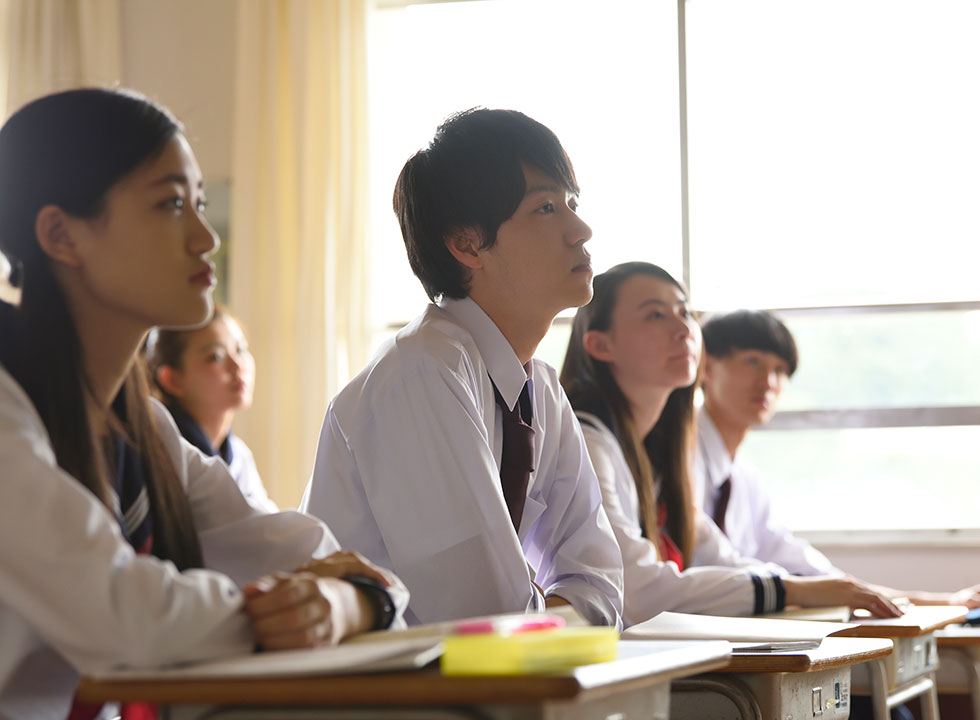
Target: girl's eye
column 573, row 205
column 215, row 357
column 202, row 205
column 547, row 209
column 655, row 315
column 174, row 203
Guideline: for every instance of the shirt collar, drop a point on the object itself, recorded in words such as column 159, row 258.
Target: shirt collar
column 504, row 368
column 717, row 462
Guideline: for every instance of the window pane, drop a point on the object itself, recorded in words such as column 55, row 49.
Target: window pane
column 834, row 479
column 603, row 76
column 881, row 360
column 833, row 151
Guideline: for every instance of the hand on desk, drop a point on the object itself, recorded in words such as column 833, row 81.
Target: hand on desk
column 347, row 562
column 967, row 596
column 297, row 610
column 828, row 591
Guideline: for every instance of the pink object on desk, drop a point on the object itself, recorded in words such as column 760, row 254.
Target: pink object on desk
column 510, row 625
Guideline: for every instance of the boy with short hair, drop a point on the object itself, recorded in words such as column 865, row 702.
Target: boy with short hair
column 454, row 457
column 749, row 356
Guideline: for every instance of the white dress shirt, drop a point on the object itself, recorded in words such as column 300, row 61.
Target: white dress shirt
column 75, row 597
column 652, row 585
column 749, row 523
column 407, row 473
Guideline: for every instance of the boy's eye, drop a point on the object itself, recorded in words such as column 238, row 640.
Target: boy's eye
column 202, row 205
column 573, row 205
column 547, row 208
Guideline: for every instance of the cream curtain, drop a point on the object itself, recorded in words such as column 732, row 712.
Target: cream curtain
column 49, row 45
column 298, row 221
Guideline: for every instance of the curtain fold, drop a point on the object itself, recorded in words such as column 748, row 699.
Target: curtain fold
column 298, row 220
column 50, row 45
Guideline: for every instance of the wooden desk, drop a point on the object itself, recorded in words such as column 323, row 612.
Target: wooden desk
column 796, row 684
column 959, row 663
column 634, row 686
column 910, row 671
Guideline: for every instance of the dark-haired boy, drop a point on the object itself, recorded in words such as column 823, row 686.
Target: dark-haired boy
column 409, row 465
column 749, row 356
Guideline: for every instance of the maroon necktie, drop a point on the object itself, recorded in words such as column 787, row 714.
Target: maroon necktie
column 722, row 497
column 517, row 455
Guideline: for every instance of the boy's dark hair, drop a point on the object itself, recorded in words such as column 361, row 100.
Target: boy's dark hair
column 470, row 177
column 749, row 330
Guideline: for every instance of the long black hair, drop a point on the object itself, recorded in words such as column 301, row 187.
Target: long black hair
column 69, row 149
column 660, row 462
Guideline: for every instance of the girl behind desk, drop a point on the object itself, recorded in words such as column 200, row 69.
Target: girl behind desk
column 629, row 372
column 107, row 519
column 204, row 376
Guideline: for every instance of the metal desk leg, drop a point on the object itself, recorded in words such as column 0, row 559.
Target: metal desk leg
column 731, row 689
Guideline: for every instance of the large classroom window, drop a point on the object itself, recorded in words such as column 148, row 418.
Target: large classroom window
column 832, row 153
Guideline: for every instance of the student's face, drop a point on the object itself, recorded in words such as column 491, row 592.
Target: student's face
column 743, row 387
column 539, row 261
column 217, row 370
column 145, row 256
column 654, row 340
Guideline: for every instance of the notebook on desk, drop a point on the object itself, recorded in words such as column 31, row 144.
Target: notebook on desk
column 750, row 635
column 398, row 654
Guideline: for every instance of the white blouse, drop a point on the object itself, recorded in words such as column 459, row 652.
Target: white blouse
column 75, row 597
column 653, row 586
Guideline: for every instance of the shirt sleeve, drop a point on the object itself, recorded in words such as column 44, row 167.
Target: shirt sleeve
column 572, row 544
column 238, row 539
column 67, row 572
column 653, row 586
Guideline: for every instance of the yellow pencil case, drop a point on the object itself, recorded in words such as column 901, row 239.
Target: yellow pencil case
column 524, row 653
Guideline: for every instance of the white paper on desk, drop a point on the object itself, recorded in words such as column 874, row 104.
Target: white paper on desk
column 682, row 626
column 833, row 613
column 406, row 654
column 917, row 616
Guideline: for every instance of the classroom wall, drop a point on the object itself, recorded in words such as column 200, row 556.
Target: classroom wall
column 924, row 560
column 182, row 53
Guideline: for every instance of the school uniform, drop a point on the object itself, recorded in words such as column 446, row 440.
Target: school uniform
column 748, row 520
column 407, row 472
column 652, row 585
column 75, row 595
column 236, row 455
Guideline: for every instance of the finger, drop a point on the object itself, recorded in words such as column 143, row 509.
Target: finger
column 881, row 606
column 296, row 618
column 285, row 595
column 260, row 586
column 311, row 636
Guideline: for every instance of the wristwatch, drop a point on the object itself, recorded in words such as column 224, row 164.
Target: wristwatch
column 378, row 596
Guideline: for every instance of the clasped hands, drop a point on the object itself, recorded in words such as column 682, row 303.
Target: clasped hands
column 312, row 605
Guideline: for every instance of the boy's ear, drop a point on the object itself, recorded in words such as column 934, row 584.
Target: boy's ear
column 707, row 367
column 596, row 343
column 170, row 379
column 53, row 229
column 465, row 244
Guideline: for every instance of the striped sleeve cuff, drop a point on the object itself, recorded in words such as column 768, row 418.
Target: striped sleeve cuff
column 770, row 593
